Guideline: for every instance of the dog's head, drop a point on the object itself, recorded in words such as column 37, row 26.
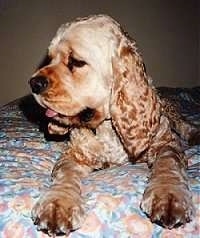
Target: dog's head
column 75, row 86
column 95, row 74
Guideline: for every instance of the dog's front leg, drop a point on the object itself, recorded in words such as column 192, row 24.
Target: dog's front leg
column 61, row 208
column 167, row 199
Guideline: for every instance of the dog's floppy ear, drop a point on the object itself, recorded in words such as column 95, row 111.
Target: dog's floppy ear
column 135, row 109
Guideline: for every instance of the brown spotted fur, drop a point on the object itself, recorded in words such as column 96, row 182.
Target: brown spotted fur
column 131, row 123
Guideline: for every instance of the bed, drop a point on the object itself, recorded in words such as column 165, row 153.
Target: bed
column 27, row 156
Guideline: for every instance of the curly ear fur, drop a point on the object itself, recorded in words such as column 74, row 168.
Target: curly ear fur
column 135, row 107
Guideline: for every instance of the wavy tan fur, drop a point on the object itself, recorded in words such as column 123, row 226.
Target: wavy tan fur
column 129, row 118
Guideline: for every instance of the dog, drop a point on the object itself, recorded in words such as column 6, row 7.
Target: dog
column 97, row 89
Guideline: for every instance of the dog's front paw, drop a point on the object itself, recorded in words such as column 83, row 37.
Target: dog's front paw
column 168, row 206
column 55, row 214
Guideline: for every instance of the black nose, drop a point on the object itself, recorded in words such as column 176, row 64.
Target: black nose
column 38, row 84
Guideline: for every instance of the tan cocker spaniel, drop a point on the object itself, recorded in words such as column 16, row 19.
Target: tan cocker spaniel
column 96, row 88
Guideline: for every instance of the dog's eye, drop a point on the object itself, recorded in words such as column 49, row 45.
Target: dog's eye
column 72, row 62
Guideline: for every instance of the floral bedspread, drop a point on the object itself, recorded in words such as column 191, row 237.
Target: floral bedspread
column 112, row 195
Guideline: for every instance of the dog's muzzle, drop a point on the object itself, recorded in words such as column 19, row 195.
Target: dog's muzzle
column 38, row 84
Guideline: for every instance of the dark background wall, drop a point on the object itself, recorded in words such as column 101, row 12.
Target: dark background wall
column 166, row 32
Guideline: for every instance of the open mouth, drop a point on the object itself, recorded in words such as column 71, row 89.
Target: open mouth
column 58, row 129
column 85, row 115
column 51, row 113
column 61, row 124
column 58, row 123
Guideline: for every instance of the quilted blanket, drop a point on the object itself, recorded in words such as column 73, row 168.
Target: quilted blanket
column 112, row 196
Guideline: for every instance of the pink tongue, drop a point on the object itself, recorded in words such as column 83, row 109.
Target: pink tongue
column 50, row 113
